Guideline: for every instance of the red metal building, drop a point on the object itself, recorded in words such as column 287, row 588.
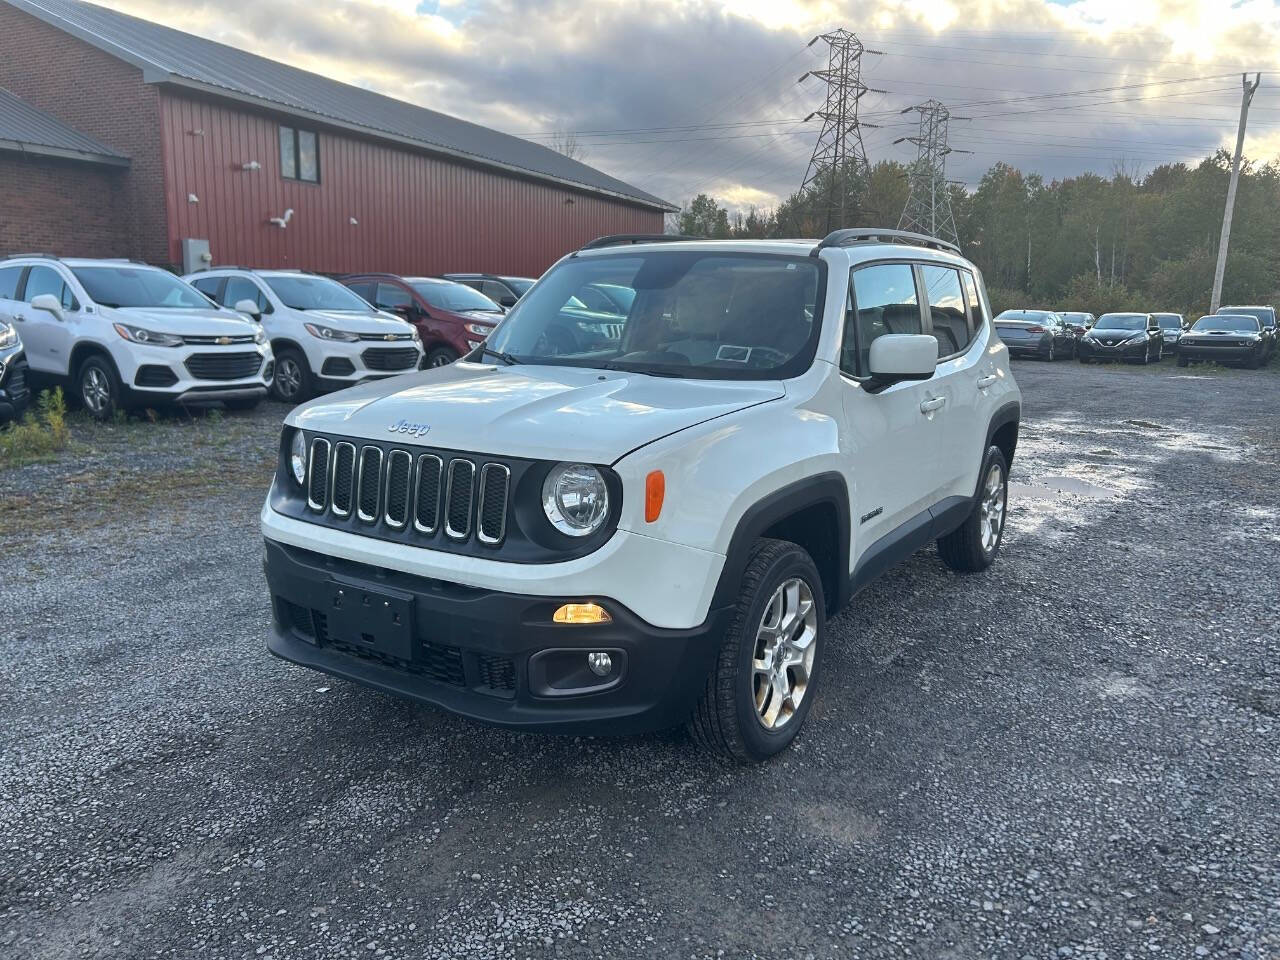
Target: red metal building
column 267, row 164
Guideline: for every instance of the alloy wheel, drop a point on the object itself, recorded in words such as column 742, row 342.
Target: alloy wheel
column 288, row 377
column 96, row 391
column 782, row 663
column 991, row 510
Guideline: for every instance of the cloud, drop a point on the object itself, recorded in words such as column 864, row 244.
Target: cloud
column 678, row 96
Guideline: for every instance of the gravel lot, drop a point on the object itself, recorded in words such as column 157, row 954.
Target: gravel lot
column 1075, row 754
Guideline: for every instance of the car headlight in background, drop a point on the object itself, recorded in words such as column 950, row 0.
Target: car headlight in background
column 149, row 337
column 8, row 335
column 479, row 329
column 259, row 335
column 575, row 499
column 329, row 333
column 298, row 457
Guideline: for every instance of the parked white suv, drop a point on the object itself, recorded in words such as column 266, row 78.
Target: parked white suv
column 122, row 334
column 590, row 529
column 324, row 336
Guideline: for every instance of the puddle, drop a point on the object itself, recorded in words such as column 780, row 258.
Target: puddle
column 1051, row 487
column 1145, row 424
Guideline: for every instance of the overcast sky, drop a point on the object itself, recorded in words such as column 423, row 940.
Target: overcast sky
column 684, row 96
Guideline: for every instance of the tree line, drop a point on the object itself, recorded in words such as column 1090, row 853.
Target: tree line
column 1125, row 242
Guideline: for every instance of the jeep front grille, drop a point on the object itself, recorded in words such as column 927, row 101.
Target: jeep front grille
column 400, row 492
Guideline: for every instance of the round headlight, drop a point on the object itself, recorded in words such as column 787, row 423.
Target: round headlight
column 298, row 457
column 575, row 499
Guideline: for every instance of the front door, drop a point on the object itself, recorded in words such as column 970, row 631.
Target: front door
column 48, row 339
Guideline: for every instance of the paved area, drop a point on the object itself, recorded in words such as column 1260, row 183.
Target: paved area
column 1075, row 754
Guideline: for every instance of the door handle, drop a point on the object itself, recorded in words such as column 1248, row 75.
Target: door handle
column 932, row 405
column 988, row 380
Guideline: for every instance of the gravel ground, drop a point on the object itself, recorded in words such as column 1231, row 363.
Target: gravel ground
column 1074, row 754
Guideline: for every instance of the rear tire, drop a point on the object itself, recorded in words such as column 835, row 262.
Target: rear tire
column 764, row 681
column 973, row 546
column 292, row 382
column 98, row 388
column 441, row 357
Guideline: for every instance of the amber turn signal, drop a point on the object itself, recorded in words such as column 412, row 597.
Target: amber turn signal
column 655, row 488
column 581, row 613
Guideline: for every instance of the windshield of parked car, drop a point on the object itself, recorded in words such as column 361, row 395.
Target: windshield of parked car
column 1169, row 321
column 1121, row 321
column 1080, row 318
column 705, row 315
column 519, row 284
column 1240, row 324
column 1025, row 316
column 137, row 286
column 316, row 293
column 446, row 295
column 1265, row 316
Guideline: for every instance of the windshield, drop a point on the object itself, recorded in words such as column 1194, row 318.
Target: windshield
column 1025, row 316
column 1169, row 321
column 458, row 297
column 715, row 316
column 1076, row 317
column 139, row 287
column 1240, row 324
column 316, row 293
column 519, row 284
column 1121, row 321
column 1265, row 316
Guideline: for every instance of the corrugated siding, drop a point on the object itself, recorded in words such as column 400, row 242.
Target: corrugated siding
column 415, row 213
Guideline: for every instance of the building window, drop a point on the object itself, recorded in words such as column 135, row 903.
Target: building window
column 299, row 154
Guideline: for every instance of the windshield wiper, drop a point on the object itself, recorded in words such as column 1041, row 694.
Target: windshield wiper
column 670, row 374
column 506, row 358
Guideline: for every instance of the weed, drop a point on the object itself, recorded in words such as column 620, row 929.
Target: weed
column 39, row 434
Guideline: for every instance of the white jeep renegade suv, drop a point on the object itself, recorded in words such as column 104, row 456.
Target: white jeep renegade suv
column 124, row 334
column 324, row 336
column 591, row 528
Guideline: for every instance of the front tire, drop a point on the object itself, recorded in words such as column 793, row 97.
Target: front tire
column 973, row 546
column 441, row 357
column 292, row 382
column 765, row 678
column 98, row 388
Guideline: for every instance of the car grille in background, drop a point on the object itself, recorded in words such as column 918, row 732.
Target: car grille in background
column 400, row 492
column 386, row 337
column 223, row 366
column 396, row 358
column 207, row 341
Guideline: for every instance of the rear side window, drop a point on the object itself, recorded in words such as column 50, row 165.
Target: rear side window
column 976, row 312
column 362, row 289
column 947, row 313
column 884, row 301
column 240, row 288
column 47, row 280
column 9, row 277
column 209, row 287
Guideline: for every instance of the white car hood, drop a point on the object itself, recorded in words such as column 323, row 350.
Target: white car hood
column 528, row 410
column 195, row 321
column 357, row 322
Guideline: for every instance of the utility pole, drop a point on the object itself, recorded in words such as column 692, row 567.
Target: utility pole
column 839, row 159
column 928, row 208
column 1215, row 300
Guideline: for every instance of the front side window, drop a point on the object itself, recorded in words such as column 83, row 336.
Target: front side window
column 138, row 287
column 950, row 319
column 316, row 293
column 700, row 315
column 885, row 301
column 47, row 280
column 241, row 288
column 299, row 154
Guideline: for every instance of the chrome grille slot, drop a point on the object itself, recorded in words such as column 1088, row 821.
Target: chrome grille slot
column 318, row 475
column 426, row 515
column 492, row 518
column 344, row 478
column 399, row 471
column 459, row 498
column 367, row 492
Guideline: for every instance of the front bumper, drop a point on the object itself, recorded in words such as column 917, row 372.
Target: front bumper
column 1092, row 350
column 162, row 375
column 488, row 655
column 1225, row 353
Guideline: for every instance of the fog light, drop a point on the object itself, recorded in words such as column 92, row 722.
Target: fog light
column 601, row 664
column 581, row 613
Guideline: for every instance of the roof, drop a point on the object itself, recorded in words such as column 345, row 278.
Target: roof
column 25, row 129
column 169, row 56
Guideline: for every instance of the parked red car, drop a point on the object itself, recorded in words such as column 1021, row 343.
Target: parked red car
column 451, row 318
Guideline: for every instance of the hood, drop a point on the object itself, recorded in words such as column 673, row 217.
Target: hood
column 527, row 410
column 353, row 322
column 193, row 322
column 1113, row 335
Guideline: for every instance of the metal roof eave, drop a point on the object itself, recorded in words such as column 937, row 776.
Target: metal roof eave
column 43, row 150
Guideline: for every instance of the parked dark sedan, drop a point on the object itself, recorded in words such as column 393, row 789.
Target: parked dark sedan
column 1224, row 338
column 13, row 375
column 1036, row 333
column 1267, row 317
column 1171, row 325
column 1079, row 322
column 1133, row 337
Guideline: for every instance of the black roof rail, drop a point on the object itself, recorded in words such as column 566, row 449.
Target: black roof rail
column 851, row 235
column 619, row 239
column 18, row 256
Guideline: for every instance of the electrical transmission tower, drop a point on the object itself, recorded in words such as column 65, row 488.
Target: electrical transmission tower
column 928, row 208
column 838, row 167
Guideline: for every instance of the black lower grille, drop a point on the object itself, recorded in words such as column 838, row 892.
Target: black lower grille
column 434, row 661
column 337, row 367
column 395, row 358
column 223, row 366
column 295, row 617
column 155, row 375
column 496, row 673
column 16, row 384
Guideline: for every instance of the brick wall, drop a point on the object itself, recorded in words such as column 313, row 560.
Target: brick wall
column 98, row 95
column 63, row 207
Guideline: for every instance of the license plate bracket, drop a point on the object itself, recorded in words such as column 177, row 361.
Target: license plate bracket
column 377, row 620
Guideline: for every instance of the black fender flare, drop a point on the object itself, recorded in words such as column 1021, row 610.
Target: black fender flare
column 823, row 488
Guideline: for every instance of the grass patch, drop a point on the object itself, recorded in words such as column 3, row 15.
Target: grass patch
column 38, row 435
